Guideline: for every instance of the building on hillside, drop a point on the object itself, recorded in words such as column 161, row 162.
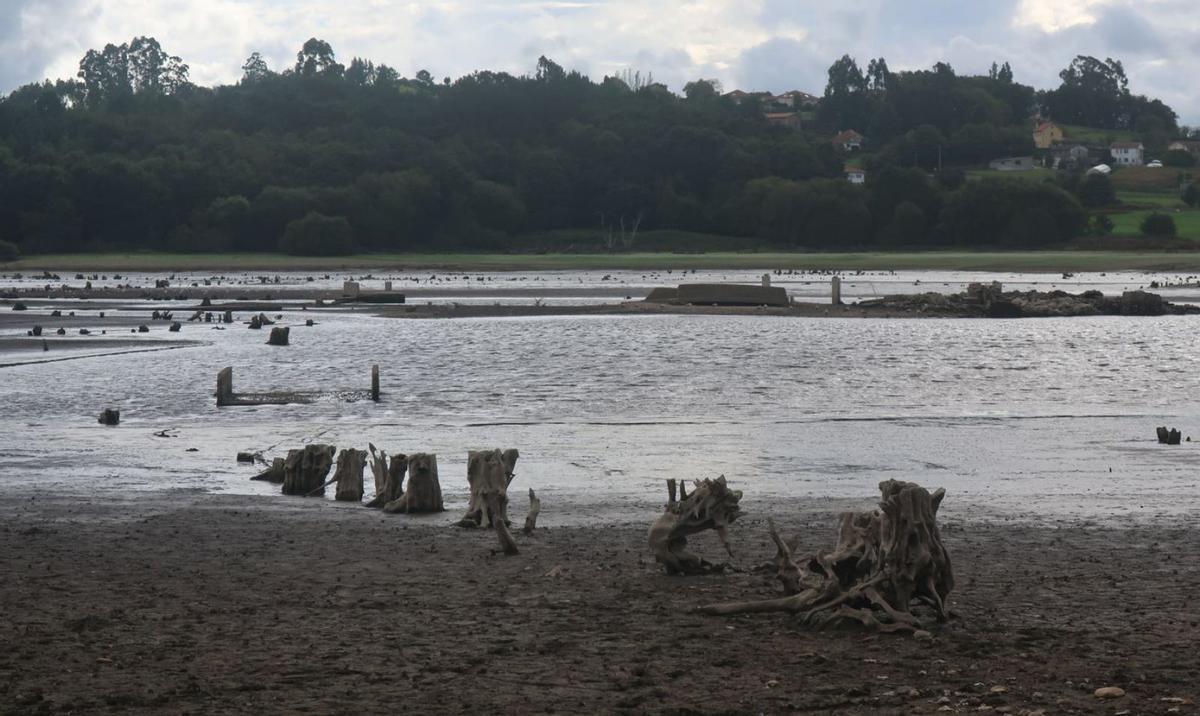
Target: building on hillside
column 1128, row 154
column 1070, row 156
column 854, row 175
column 791, row 120
column 848, row 140
column 738, row 96
column 1046, row 135
column 1011, row 164
column 1185, row 146
column 795, row 99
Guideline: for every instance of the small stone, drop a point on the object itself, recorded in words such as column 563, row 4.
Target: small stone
column 1109, row 692
column 922, row 635
column 999, row 689
column 773, row 683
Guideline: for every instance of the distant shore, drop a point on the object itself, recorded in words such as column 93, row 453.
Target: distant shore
column 1024, row 261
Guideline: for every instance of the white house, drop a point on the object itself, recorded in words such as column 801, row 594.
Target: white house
column 855, row 175
column 848, row 140
column 1127, row 154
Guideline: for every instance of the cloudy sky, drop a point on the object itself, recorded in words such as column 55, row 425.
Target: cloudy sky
column 751, row 44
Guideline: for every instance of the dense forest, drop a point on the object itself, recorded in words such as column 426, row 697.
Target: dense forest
column 324, row 157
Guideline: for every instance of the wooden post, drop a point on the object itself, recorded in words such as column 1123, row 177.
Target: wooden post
column 225, row 387
column 375, row 383
column 349, row 475
column 836, row 284
column 304, row 470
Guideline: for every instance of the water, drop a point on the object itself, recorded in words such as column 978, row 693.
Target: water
column 579, row 287
column 1044, row 419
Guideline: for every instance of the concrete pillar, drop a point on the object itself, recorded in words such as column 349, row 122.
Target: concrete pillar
column 350, row 289
column 766, row 280
column 387, row 285
column 836, row 285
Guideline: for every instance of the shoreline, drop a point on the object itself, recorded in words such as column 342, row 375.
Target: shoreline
column 1055, row 261
column 191, row 601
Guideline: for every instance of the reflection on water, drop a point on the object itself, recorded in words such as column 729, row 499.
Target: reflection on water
column 1031, row 418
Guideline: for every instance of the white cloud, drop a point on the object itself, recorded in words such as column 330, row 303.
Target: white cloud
column 754, row 44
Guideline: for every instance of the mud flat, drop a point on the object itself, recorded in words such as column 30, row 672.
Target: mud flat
column 184, row 601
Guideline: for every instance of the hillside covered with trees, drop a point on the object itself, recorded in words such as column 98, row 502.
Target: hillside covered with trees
column 324, row 157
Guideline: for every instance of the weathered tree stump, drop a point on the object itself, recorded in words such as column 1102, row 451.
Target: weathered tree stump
column 304, row 470
column 535, row 508
column 279, row 336
column 885, row 560
column 110, row 416
column 273, row 474
column 349, row 475
column 1169, row 437
column 424, row 493
column 489, row 473
column 711, row 506
column 389, row 478
column 175, row 327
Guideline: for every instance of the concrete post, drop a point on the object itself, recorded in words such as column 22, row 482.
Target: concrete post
column 350, row 289
column 766, row 280
column 387, row 285
column 836, row 285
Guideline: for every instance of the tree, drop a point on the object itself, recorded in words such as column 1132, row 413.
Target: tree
column 425, row 79
column 1179, row 158
column 316, row 58
column 318, row 235
column 701, row 90
column 549, row 71
column 361, row 73
column 878, row 75
column 1158, row 224
column 139, row 66
column 1101, row 225
column 255, row 68
column 1096, row 190
column 907, row 227
column 1191, row 194
column 8, row 251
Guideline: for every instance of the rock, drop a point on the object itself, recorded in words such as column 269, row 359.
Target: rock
column 143, row 329
column 18, row 306
column 1109, row 692
column 37, row 331
column 922, row 635
column 245, row 457
column 110, row 416
column 175, row 327
column 61, row 331
column 279, row 336
column 309, row 323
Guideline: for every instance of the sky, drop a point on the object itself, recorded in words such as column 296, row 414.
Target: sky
column 773, row 45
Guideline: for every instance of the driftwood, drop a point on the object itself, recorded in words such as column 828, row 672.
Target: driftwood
column 711, row 506
column 389, row 477
column 424, row 493
column 489, row 473
column 274, row 473
column 885, row 560
column 535, row 507
column 304, row 470
column 349, row 475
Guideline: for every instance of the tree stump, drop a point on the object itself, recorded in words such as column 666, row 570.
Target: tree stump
column 304, row 470
column 110, row 416
column 1169, row 437
column 349, row 475
column 884, row 561
column 535, row 508
column 273, row 474
column 389, row 477
column 489, row 473
column 279, row 336
column 711, row 506
column 424, row 493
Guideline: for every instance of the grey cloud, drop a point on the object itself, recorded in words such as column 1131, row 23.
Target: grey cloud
column 1122, row 30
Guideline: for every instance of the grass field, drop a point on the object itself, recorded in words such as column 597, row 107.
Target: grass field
column 1035, row 174
column 1187, row 223
column 1163, row 179
column 1047, row 261
column 1167, row 200
column 1076, row 133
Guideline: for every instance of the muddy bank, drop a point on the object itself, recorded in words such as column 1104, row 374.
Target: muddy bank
column 187, row 602
column 992, row 302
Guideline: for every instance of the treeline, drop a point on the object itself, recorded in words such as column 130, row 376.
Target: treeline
column 326, row 157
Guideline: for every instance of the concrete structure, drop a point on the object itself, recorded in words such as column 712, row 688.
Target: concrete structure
column 856, row 176
column 1128, row 154
column 835, row 285
column 721, row 294
column 226, row 396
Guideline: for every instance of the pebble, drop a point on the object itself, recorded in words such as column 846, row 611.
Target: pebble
column 1109, row 692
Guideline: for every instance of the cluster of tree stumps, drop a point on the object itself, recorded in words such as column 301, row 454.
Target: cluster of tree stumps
column 886, row 562
column 489, row 472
